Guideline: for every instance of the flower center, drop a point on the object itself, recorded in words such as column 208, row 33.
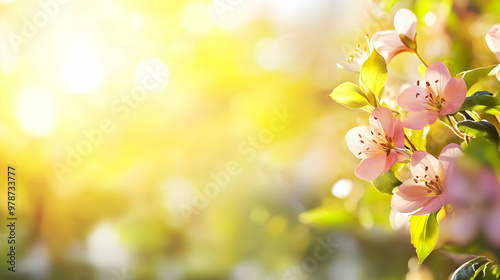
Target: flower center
column 434, row 185
column 383, row 142
column 360, row 53
column 433, row 99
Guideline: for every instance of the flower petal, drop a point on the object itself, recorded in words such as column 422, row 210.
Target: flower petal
column 460, row 227
column 414, row 198
column 411, row 190
column 413, row 99
column 359, row 146
column 454, row 94
column 399, row 134
column 493, row 40
column 450, row 152
column 437, row 75
column 391, row 159
column 433, row 204
column 418, row 120
column 388, row 44
column 403, row 154
column 405, row 22
column 409, row 197
column 489, row 185
column 350, row 66
column 446, row 159
column 492, row 227
column 383, row 119
column 424, row 165
column 405, row 206
column 370, row 168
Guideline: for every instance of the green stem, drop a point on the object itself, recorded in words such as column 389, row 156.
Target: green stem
column 421, row 59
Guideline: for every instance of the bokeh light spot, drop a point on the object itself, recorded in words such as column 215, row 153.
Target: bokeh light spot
column 82, row 71
column 430, row 18
column 104, row 248
column 36, row 113
column 342, row 188
column 268, row 53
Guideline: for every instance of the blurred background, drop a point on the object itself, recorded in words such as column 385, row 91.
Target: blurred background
column 196, row 139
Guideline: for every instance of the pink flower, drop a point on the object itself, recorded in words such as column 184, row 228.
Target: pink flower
column 475, row 197
column 388, row 42
column 427, row 191
column 492, row 226
column 379, row 145
column 442, row 95
column 493, row 40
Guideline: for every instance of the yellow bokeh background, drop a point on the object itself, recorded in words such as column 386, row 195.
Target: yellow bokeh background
column 124, row 208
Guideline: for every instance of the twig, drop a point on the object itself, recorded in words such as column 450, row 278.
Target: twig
column 421, row 59
column 413, row 149
column 457, row 132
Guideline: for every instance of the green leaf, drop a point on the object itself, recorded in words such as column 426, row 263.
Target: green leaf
column 351, row 96
column 472, row 77
column 327, row 216
column 482, row 102
column 374, row 73
column 484, row 151
column 424, row 230
column 481, row 129
column 386, row 182
column 471, row 269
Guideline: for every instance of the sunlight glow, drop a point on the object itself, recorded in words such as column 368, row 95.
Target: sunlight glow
column 196, row 18
column 152, row 74
column 36, row 113
column 136, row 22
column 8, row 58
column 82, row 72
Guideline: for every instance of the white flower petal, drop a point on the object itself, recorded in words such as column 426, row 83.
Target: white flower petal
column 405, row 22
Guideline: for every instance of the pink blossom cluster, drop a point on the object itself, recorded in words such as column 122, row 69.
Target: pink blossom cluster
column 434, row 181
